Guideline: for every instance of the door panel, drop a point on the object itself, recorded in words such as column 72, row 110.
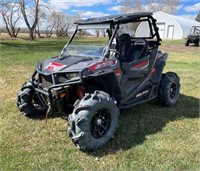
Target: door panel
column 170, row 32
column 134, row 74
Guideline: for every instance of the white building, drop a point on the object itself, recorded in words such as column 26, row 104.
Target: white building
column 170, row 26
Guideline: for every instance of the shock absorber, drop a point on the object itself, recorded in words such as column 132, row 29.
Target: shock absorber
column 80, row 91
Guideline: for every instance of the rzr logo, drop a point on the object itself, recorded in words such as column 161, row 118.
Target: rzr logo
column 102, row 65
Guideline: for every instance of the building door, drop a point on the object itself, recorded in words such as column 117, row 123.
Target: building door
column 170, row 32
column 161, row 31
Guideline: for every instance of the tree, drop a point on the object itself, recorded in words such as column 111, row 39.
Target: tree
column 31, row 27
column 61, row 23
column 10, row 12
column 198, row 17
column 97, row 31
column 103, row 32
column 168, row 6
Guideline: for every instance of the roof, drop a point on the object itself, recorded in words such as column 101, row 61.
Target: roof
column 185, row 23
column 122, row 18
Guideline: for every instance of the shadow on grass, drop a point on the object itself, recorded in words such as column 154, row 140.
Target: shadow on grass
column 53, row 115
column 145, row 119
column 142, row 120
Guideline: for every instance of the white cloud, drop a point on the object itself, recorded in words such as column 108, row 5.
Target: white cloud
column 115, row 8
column 65, row 4
column 92, row 14
column 193, row 8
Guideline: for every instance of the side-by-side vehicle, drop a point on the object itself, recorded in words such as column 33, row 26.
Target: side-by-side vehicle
column 99, row 77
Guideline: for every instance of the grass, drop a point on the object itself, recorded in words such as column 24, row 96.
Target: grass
column 149, row 137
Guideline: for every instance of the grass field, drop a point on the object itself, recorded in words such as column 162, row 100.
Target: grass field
column 149, row 137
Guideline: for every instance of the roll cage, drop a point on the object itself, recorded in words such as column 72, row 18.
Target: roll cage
column 112, row 23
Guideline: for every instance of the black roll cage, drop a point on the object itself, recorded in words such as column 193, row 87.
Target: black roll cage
column 115, row 21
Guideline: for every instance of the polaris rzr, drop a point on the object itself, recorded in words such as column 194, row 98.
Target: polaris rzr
column 194, row 36
column 98, row 79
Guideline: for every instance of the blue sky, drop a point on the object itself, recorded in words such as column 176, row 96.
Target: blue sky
column 97, row 8
column 94, row 8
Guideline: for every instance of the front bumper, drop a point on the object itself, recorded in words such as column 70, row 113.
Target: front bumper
column 193, row 39
column 48, row 91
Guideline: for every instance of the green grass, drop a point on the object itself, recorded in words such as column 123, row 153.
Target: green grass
column 149, row 137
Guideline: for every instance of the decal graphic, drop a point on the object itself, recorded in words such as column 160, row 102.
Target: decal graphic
column 54, row 66
column 142, row 93
column 142, row 64
column 103, row 64
column 117, row 71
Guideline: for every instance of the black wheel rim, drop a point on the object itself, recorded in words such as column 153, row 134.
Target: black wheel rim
column 100, row 123
column 173, row 90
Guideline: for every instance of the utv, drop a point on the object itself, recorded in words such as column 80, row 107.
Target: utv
column 194, row 36
column 98, row 78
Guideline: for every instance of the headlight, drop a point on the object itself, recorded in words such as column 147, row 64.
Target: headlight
column 73, row 76
column 68, row 77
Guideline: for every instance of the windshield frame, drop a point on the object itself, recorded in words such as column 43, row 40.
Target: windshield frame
column 112, row 29
column 194, row 28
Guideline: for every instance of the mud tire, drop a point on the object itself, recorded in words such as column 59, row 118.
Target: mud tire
column 26, row 104
column 187, row 43
column 86, row 121
column 169, row 89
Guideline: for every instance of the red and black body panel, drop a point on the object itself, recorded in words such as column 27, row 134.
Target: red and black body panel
column 129, row 83
column 51, row 78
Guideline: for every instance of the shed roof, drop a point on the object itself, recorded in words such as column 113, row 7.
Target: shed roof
column 185, row 24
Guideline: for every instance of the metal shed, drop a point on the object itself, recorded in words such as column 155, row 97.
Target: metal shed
column 170, row 26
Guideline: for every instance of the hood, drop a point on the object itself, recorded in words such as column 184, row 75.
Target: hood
column 66, row 64
column 194, row 35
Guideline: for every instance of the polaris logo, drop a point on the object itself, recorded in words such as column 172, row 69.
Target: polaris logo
column 142, row 93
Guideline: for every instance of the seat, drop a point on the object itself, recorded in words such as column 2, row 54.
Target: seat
column 123, row 44
column 138, row 50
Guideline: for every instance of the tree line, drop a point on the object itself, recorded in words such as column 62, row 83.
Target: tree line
column 34, row 17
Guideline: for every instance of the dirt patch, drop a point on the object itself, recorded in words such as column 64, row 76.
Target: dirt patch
column 179, row 48
column 2, row 81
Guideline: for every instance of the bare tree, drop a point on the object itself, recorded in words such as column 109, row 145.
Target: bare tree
column 10, row 12
column 97, row 31
column 51, row 22
column 42, row 17
column 198, row 17
column 31, row 27
column 103, row 32
column 61, row 23
column 168, row 6
column 82, row 32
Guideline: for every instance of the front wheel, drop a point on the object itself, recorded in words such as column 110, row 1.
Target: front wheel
column 169, row 89
column 29, row 103
column 187, row 43
column 93, row 121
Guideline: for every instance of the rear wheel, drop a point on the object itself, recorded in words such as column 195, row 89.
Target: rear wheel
column 187, row 43
column 197, row 43
column 28, row 102
column 93, row 121
column 168, row 92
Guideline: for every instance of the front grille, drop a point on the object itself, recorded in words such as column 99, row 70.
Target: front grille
column 45, row 81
